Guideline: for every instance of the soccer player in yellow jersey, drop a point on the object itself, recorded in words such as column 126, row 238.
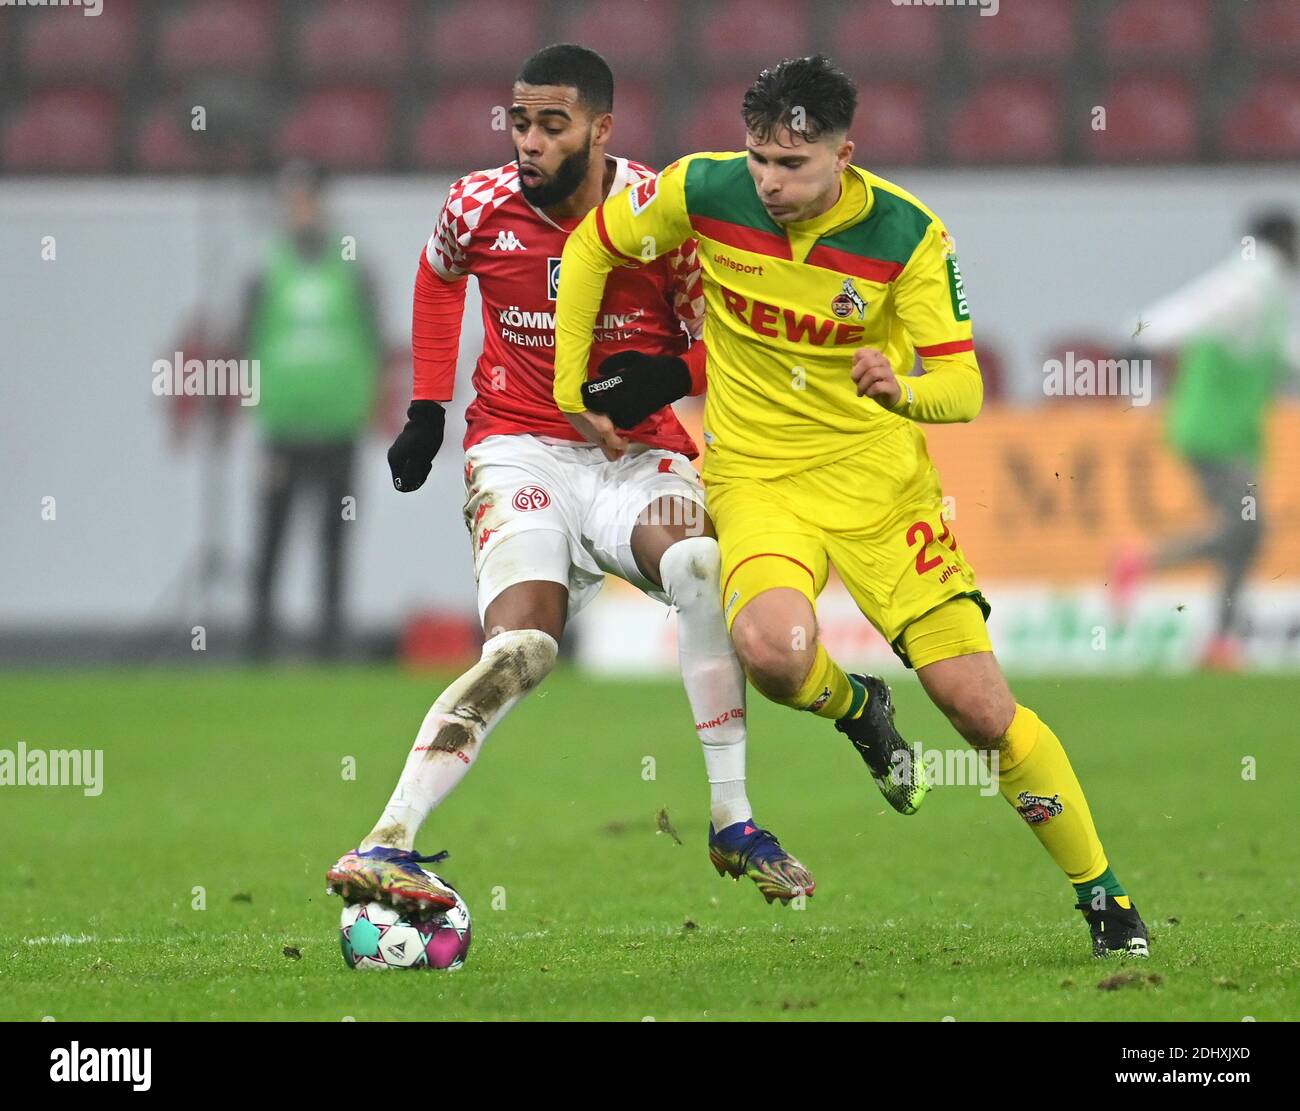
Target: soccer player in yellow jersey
column 823, row 284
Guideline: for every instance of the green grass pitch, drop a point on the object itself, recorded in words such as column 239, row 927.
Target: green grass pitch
column 234, row 782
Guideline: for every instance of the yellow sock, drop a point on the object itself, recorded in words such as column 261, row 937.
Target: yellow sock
column 826, row 692
column 1035, row 776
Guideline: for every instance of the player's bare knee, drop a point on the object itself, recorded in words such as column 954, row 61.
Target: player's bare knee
column 772, row 665
column 973, row 694
column 774, row 679
column 982, row 717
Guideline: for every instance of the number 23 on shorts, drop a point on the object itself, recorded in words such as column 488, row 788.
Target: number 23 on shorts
column 929, row 548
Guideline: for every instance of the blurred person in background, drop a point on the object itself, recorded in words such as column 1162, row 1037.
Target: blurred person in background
column 311, row 323
column 1231, row 334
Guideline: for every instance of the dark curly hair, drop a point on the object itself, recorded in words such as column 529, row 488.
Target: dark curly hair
column 807, row 95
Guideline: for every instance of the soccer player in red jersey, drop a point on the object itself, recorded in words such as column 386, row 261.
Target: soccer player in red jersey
column 548, row 512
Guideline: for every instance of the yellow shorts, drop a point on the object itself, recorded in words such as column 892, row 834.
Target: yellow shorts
column 876, row 516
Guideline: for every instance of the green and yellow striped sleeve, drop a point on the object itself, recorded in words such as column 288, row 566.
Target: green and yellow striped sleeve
column 931, row 300
column 634, row 227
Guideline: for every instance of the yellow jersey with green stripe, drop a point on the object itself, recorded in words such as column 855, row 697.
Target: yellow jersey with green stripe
column 787, row 305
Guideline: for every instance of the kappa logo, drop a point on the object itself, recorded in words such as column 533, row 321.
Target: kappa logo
column 1037, row 809
column 847, row 300
column 643, row 194
column 507, row 241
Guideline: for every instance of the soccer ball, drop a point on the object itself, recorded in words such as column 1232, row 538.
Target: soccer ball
column 375, row 936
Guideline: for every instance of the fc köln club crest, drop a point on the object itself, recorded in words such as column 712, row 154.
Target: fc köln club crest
column 848, row 301
column 1037, row 809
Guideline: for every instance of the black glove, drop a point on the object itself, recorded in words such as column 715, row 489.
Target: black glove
column 411, row 456
column 631, row 386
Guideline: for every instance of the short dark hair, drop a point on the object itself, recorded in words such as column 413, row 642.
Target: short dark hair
column 566, row 63
column 1277, row 227
column 807, row 95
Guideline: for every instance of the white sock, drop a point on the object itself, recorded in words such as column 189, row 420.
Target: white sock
column 711, row 673
column 454, row 730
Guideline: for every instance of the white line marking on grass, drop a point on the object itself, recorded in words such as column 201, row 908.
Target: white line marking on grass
column 650, row 931
column 173, row 941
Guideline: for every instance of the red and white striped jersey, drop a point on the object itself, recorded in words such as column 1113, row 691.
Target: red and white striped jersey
column 488, row 229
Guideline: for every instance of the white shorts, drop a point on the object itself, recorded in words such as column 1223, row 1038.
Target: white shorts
column 571, row 508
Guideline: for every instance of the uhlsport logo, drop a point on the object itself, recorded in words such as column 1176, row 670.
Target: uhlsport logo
column 1037, row 809
column 740, row 267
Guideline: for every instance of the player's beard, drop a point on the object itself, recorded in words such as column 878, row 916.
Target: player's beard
column 563, row 183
